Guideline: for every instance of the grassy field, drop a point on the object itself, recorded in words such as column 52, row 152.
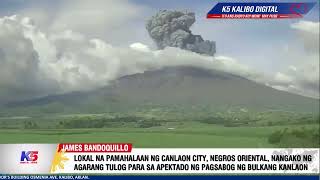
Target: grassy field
column 199, row 135
column 164, row 128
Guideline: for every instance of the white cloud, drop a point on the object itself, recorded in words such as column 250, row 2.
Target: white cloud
column 308, row 31
column 20, row 74
column 39, row 63
column 307, row 26
column 107, row 20
column 69, row 61
column 282, row 78
column 140, row 47
column 302, row 77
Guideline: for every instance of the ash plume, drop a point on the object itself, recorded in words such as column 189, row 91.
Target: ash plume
column 172, row 28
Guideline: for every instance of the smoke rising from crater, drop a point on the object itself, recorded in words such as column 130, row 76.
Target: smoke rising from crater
column 172, row 28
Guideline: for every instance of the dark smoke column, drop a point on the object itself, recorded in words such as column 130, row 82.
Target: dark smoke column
column 172, row 28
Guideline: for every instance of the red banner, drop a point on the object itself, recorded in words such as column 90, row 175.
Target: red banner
column 95, row 147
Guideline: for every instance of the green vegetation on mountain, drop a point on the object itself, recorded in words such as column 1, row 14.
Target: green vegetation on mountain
column 171, row 107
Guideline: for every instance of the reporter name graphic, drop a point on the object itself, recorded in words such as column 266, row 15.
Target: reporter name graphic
column 259, row 10
column 184, row 161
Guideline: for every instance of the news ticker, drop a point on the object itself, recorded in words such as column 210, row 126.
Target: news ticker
column 167, row 177
column 122, row 158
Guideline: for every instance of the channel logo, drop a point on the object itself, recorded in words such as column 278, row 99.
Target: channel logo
column 29, row 157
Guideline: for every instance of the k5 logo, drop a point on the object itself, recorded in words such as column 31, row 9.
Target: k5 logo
column 29, row 156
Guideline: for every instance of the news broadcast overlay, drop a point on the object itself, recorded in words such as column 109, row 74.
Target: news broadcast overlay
column 260, row 10
column 122, row 158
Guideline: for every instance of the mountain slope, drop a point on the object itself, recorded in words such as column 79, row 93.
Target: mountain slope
column 182, row 86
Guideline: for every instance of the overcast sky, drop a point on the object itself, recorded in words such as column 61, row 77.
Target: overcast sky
column 285, row 50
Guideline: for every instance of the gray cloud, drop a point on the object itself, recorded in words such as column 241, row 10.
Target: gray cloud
column 172, row 28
